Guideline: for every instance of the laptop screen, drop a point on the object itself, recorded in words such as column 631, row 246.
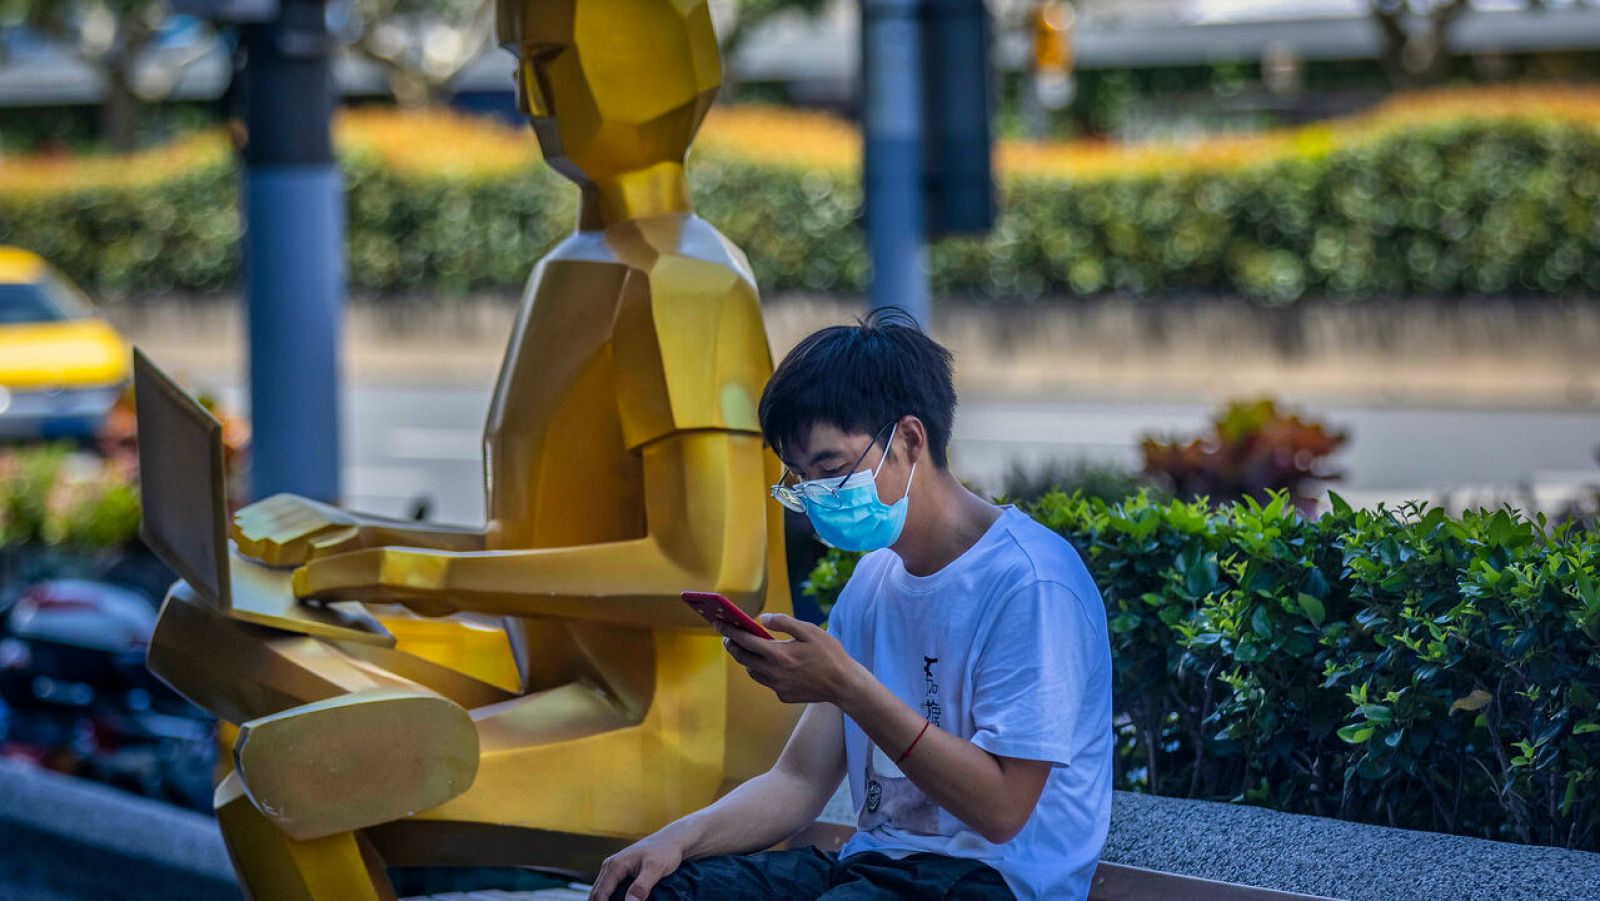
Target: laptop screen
column 181, row 487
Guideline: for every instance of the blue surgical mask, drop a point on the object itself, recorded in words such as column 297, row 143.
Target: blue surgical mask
column 850, row 516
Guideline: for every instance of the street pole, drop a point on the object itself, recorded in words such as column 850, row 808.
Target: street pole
column 293, row 252
column 893, row 165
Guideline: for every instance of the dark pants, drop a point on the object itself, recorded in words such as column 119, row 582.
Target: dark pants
column 807, row 873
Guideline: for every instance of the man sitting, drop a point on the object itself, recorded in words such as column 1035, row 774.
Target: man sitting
column 964, row 681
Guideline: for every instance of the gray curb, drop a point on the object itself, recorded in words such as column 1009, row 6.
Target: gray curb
column 63, row 838
column 1338, row 859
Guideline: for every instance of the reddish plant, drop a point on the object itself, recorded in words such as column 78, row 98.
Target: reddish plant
column 1251, row 449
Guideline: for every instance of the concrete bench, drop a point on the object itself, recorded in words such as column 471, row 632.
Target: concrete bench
column 63, row 838
column 1112, row 881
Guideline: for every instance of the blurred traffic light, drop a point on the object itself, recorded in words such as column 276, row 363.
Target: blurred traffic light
column 958, row 181
column 1053, row 22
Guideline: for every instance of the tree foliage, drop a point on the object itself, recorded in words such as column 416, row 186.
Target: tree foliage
column 118, row 39
column 422, row 44
column 1416, row 34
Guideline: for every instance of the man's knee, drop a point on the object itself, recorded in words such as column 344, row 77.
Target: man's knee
column 694, row 879
column 797, row 873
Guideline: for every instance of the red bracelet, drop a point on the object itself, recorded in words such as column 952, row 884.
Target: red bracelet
column 913, row 744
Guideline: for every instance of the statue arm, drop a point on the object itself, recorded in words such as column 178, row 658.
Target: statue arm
column 379, row 531
column 705, row 530
column 286, row 529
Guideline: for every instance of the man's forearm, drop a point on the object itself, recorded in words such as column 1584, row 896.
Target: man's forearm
column 757, row 815
column 956, row 774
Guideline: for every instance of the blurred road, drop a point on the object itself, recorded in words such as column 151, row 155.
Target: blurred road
column 403, row 443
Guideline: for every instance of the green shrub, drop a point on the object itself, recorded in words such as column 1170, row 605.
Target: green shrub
column 429, row 234
column 50, row 496
column 1447, row 207
column 1026, row 484
column 1397, row 667
column 180, row 232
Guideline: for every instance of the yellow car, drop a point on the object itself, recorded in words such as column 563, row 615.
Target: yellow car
column 61, row 365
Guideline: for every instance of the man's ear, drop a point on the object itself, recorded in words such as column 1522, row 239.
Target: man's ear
column 913, row 439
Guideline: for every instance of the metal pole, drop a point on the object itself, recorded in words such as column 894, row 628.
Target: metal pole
column 294, row 253
column 892, row 135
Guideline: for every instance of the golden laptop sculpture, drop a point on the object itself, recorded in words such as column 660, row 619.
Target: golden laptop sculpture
column 623, row 464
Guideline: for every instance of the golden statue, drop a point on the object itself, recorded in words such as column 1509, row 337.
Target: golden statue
column 623, row 464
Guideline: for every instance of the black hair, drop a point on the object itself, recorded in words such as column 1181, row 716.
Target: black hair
column 858, row 378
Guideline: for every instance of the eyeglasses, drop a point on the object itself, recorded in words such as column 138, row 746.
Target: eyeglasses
column 794, row 496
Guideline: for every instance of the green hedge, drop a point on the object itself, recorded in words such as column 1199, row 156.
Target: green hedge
column 1492, row 206
column 50, row 499
column 1403, row 668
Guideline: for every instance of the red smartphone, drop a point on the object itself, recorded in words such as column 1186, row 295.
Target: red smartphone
column 718, row 609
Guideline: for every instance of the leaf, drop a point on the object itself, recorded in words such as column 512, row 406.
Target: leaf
column 1261, row 621
column 1124, row 622
column 1356, row 733
column 1473, row 701
column 1551, row 729
column 1585, row 728
column 1260, row 580
column 1587, row 592
column 1377, row 713
column 1274, row 510
column 1341, row 507
column 1200, row 576
column 1313, row 609
column 1523, row 642
column 1298, row 645
column 1316, row 584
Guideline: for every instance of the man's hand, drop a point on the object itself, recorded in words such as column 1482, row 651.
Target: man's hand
column 647, row 861
column 812, row 667
column 286, row 529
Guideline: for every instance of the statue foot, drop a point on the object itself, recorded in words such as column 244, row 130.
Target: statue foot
column 356, row 760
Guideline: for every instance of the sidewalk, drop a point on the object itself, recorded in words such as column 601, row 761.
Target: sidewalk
column 1477, row 354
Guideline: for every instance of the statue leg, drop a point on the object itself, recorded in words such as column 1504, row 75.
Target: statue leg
column 328, row 741
column 371, row 757
column 274, row 867
column 357, row 760
column 240, row 671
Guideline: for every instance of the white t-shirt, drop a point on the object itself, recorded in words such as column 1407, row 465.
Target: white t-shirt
column 1007, row 647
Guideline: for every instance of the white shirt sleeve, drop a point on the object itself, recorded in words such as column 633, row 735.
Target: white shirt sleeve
column 1032, row 672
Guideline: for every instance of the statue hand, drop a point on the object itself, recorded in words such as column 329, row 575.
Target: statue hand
column 286, row 529
column 411, row 576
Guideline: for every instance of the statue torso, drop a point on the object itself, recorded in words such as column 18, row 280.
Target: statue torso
column 564, row 415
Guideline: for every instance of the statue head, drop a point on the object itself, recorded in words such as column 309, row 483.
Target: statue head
column 614, row 87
